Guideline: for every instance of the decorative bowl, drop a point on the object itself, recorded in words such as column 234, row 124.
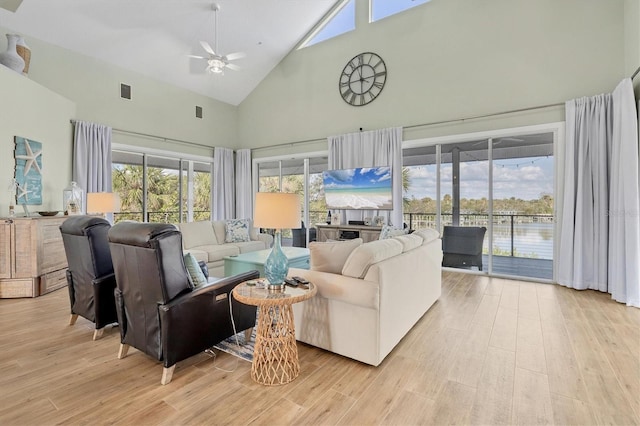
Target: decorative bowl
column 48, row 213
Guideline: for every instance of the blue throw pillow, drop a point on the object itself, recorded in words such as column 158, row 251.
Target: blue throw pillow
column 195, row 272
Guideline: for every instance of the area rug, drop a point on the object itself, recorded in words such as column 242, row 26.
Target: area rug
column 243, row 351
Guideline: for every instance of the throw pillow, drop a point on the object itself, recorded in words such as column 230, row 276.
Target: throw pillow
column 237, row 231
column 389, row 231
column 194, row 271
column 330, row 256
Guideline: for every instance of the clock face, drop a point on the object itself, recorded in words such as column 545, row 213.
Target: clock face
column 362, row 79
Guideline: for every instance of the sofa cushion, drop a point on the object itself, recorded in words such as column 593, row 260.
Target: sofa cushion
column 220, row 230
column 196, row 276
column 331, row 256
column 367, row 254
column 218, row 251
column 197, row 234
column 237, row 231
column 409, row 242
column 427, row 234
column 249, row 246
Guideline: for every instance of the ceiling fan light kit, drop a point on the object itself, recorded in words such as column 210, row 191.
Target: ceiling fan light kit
column 217, row 63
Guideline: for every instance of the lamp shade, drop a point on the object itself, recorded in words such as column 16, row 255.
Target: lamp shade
column 103, row 202
column 277, row 210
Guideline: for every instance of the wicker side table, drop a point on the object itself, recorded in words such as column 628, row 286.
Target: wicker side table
column 275, row 355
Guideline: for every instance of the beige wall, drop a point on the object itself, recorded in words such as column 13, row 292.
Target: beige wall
column 446, row 60
column 34, row 112
column 155, row 108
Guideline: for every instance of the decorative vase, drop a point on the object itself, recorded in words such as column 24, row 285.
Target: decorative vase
column 25, row 53
column 277, row 265
column 10, row 58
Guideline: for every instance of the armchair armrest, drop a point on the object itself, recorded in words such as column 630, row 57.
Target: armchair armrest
column 195, row 321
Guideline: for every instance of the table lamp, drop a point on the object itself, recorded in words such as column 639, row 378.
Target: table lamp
column 103, row 202
column 277, row 210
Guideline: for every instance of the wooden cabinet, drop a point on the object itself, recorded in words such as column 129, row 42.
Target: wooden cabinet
column 347, row 232
column 33, row 261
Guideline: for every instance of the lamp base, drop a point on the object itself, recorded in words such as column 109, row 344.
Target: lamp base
column 275, row 288
column 276, row 266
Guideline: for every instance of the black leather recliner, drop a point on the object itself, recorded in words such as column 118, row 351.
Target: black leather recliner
column 462, row 246
column 159, row 311
column 90, row 277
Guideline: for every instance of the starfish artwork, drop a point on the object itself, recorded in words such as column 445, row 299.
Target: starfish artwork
column 31, row 158
column 28, row 172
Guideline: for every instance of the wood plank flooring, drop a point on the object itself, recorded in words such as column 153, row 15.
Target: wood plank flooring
column 490, row 351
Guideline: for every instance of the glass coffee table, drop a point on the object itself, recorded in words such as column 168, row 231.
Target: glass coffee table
column 275, row 354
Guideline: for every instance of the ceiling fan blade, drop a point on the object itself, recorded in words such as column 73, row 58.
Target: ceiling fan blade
column 233, row 67
column 236, row 55
column 207, row 48
column 196, row 57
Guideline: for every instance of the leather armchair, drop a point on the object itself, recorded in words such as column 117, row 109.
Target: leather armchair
column 90, row 277
column 159, row 312
column 462, row 246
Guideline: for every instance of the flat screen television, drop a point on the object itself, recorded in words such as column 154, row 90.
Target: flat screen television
column 362, row 188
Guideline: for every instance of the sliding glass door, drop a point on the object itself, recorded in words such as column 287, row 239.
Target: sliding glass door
column 300, row 175
column 500, row 189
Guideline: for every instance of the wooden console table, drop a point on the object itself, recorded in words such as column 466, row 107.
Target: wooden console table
column 342, row 232
column 32, row 257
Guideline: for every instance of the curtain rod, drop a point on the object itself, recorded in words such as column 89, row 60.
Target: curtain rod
column 165, row 139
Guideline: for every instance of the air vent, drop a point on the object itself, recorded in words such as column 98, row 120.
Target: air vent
column 198, row 111
column 125, row 91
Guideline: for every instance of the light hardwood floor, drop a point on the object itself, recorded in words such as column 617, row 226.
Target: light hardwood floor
column 490, row 351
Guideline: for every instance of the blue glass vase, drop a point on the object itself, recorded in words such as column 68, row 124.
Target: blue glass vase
column 277, row 265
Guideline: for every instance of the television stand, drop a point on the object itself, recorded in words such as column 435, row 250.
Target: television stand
column 345, row 232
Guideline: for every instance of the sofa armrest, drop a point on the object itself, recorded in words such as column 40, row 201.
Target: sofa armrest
column 265, row 238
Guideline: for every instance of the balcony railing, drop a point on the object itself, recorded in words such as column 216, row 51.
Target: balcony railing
column 514, row 235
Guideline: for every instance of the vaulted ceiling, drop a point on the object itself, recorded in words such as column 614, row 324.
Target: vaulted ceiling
column 155, row 37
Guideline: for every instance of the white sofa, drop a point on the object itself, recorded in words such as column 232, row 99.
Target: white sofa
column 363, row 310
column 206, row 241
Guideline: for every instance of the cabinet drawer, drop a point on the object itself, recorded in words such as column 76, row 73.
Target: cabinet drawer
column 53, row 257
column 18, row 288
column 53, row 281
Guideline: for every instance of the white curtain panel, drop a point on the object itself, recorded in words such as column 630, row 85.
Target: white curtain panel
column 92, row 157
column 624, row 199
column 223, row 184
column 244, row 205
column 370, row 149
column 599, row 227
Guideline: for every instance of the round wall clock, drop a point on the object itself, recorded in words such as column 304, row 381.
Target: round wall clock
column 362, row 79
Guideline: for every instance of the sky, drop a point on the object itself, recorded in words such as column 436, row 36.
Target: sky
column 524, row 178
column 374, row 177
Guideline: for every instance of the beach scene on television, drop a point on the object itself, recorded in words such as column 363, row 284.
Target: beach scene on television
column 359, row 188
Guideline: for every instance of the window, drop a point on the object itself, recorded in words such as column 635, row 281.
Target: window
column 340, row 21
column 161, row 188
column 382, row 8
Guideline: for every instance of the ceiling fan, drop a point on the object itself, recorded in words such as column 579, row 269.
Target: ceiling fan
column 217, row 62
